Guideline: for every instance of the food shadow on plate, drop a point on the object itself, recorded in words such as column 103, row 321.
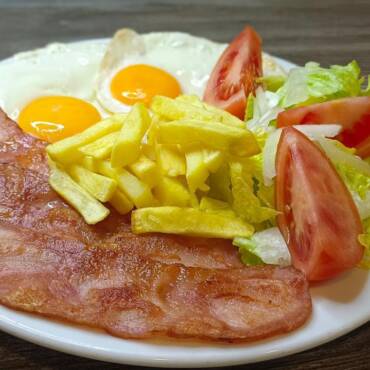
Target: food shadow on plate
column 344, row 288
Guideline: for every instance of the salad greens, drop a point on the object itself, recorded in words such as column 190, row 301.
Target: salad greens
column 302, row 86
column 314, row 84
column 364, row 239
column 267, row 246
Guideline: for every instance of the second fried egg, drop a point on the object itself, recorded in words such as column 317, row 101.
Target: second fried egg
column 137, row 67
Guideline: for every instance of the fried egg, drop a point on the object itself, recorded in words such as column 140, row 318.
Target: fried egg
column 62, row 89
column 137, row 67
column 50, row 91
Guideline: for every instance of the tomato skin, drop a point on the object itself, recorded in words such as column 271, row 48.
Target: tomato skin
column 318, row 219
column 353, row 114
column 234, row 76
column 363, row 149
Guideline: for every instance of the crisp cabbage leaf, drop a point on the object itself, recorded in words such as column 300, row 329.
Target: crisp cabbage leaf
column 272, row 82
column 364, row 239
column 264, row 247
column 354, row 172
column 314, row 84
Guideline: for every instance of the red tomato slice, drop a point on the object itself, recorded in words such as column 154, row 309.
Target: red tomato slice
column 363, row 149
column 352, row 113
column 318, row 219
column 234, row 76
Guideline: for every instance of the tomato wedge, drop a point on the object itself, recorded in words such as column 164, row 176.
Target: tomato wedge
column 234, row 76
column 352, row 113
column 318, row 219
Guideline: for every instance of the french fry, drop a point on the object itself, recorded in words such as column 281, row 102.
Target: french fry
column 196, row 170
column 213, row 159
column 106, row 169
column 100, row 187
column 121, row 203
column 190, row 108
column 172, row 192
column 188, row 221
column 237, row 141
column 136, row 190
column 66, row 150
column 170, row 160
column 214, row 205
column 220, row 115
column 126, row 149
column 100, row 148
column 146, row 170
column 88, row 162
column 91, row 209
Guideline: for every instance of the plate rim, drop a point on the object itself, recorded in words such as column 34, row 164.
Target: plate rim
column 46, row 339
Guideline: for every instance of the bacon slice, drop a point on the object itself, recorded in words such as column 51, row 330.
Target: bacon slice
column 53, row 264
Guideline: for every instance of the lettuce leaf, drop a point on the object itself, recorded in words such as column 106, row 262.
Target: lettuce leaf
column 246, row 203
column 272, row 82
column 264, row 247
column 313, row 84
column 356, row 180
column 364, row 239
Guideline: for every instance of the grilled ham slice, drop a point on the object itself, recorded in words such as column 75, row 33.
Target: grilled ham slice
column 54, row 264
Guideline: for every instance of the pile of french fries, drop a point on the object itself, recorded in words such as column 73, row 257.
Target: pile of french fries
column 182, row 164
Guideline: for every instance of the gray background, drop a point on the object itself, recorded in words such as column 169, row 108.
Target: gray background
column 333, row 31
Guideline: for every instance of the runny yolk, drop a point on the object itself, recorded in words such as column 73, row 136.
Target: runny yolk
column 53, row 118
column 140, row 82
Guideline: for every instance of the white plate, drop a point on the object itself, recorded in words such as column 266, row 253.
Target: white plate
column 339, row 306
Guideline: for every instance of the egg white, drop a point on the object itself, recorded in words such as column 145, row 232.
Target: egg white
column 187, row 58
column 84, row 69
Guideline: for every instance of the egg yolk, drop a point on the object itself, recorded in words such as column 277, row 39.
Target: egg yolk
column 53, row 118
column 140, row 82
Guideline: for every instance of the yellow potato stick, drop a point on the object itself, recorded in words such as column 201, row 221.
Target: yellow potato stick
column 189, row 108
column 88, row 162
column 188, row 221
column 214, row 205
column 126, row 149
column 89, row 208
column 146, row 170
column 137, row 191
column 237, row 141
column 196, row 170
column 171, row 109
column 121, row 203
column 66, row 150
column 211, row 204
column 100, row 148
column 149, row 151
column 213, row 159
column 170, row 160
column 106, row 169
column 100, row 187
column 220, row 115
column 172, row 192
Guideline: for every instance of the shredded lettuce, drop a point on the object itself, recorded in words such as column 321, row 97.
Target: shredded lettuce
column 354, row 172
column 246, row 203
column 249, row 109
column 366, row 91
column 364, row 239
column 264, row 247
column 272, row 82
column 265, row 111
column 313, row 84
